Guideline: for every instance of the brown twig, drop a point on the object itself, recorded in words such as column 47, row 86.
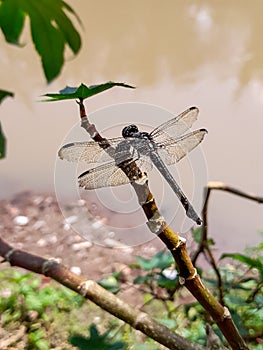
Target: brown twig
column 223, row 187
column 204, row 245
column 177, row 246
column 100, row 296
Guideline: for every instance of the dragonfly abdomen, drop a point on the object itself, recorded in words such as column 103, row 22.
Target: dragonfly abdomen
column 190, row 212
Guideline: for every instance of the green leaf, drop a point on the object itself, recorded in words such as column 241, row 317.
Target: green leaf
column 11, row 20
column 82, row 92
column 111, row 284
column 49, row 43
column 96, row 341
column 161, row 260
column 51, row 29
column 167, row 282
column 2, row 143
column 143, row 279
column 250, row 262
column 198, row 235
column 3, row 95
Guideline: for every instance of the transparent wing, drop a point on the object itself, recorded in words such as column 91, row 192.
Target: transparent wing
column 176, row 126
column 171, row 151
column 110, row 175
column 89, row 152
column 102, row 176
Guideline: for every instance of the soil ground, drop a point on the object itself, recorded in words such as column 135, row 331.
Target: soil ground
column 43, row 231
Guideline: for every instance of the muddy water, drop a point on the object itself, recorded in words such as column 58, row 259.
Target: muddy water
column 178, row 54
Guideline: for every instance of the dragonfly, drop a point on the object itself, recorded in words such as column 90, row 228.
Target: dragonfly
column 165, row 145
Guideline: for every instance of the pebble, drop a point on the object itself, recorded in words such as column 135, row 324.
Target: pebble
column 39, row 224
column 21, row 220
column 76, row 270
column 81, row 245
column 71, row 219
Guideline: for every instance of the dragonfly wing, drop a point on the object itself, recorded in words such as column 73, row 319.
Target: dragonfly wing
column 172, row 151
column 176, row 126
column 89, row 152
column 102, row 176
column 110, row 175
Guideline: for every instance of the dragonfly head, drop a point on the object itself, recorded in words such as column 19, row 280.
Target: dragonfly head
column 129, row 131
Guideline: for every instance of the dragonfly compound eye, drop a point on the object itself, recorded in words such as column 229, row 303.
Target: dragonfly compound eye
column 128, row 131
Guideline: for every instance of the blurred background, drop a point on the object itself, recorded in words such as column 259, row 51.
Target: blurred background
column 177, row 54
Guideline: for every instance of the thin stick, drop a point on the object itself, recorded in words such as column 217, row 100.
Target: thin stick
column 177, row 246
column 100, row 296
column 203, row 245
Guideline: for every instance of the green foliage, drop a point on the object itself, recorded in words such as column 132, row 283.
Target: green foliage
column 111, row 283
column 3, row 95
column 242, row 292
column 26, row 294
column 156, row 273
column 162, row 260
column 198, row 235
column 38, row 304
column 96, row 341
column 36, row 340
column 10, row 9
column 82, row 92
column 250, row 262
column 51, row 29
column 26, row 299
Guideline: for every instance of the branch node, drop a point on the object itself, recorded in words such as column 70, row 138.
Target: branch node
column 139, row 319
column 90, row 128
column 156, row 223
column 226, row 313
column 181, row 280
column 84, row 287
column 9, row 254
column 182, row 239
column 192, row 276
column 48, row 263
column 142, row 181
column 215, row 184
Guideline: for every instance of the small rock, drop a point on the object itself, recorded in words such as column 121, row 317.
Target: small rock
column 37, row 200
column 66, row 227
column 97, row 224
column 21, row 220
column 76, row 270
column 112, row 243
column 97, row 319
column 39, row 224
column 49, row 200
column 52, row 239
column 81, row 245
column 42, row 242
column 71, row 220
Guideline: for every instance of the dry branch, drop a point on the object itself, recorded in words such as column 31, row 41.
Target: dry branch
column 100, row 296
column 177, row 246
column 204, row 246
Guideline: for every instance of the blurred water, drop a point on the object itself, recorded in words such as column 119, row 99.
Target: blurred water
column 178, row 54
